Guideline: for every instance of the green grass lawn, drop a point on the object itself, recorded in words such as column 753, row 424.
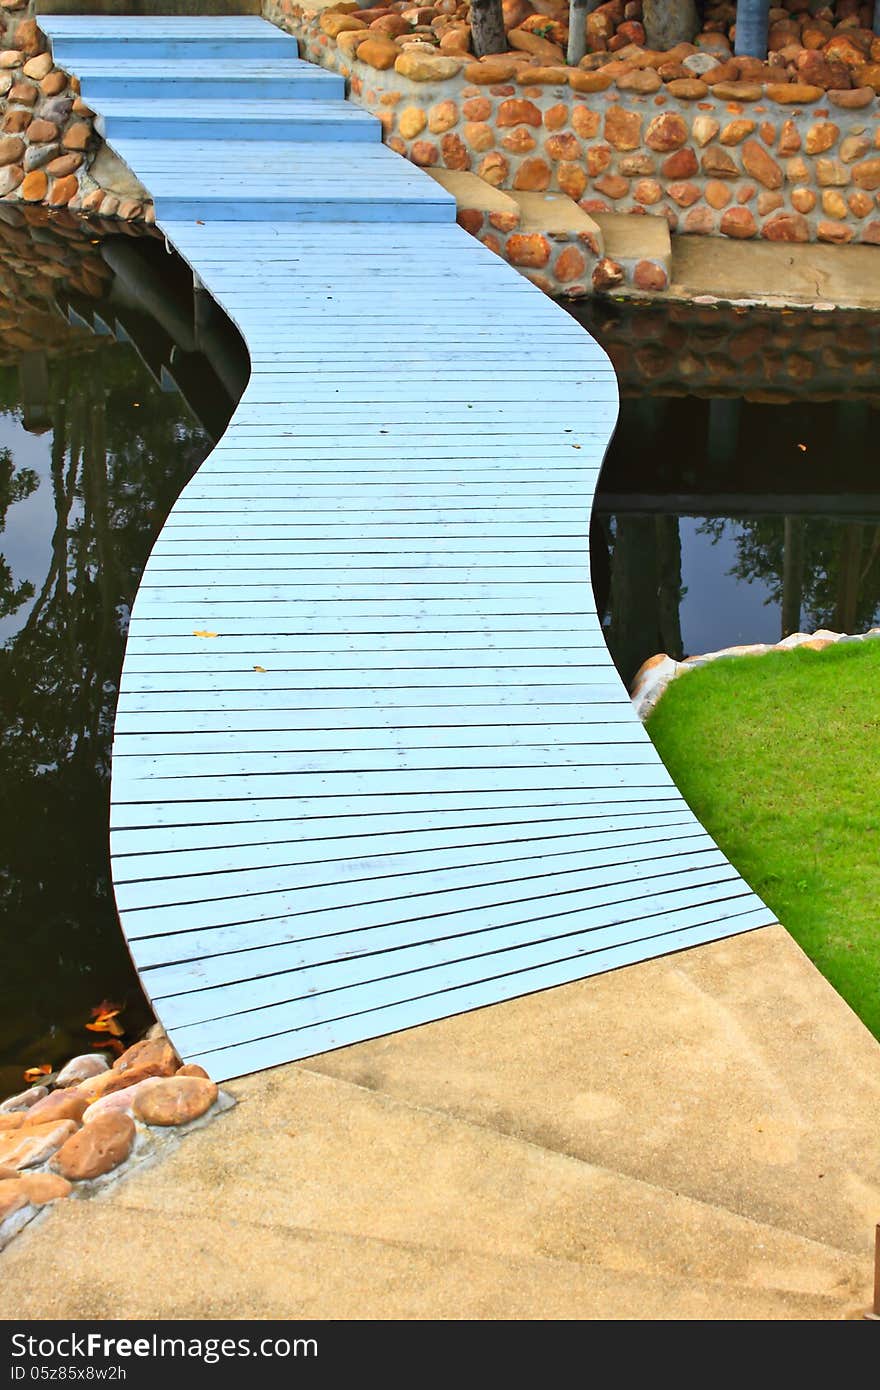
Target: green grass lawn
column 779, row 756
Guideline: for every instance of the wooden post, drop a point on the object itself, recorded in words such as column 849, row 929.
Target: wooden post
column 873, row 1313
column 487, row 27
column 577, row 29
column 752, row 20
column 668, row 22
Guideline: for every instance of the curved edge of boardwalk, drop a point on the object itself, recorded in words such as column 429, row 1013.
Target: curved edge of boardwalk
column 373, row 765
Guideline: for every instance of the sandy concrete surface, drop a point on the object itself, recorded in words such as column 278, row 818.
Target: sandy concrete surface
column 845, row 277
column 693, row 1137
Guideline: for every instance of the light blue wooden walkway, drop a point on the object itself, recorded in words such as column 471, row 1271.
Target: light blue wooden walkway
column 403, row 779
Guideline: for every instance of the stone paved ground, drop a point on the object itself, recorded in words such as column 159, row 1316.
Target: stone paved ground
column 693, row 1137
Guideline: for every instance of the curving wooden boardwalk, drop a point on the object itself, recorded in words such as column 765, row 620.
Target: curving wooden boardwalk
column 373, row 764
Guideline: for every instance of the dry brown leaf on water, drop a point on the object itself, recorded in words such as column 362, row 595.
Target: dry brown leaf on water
column 202, row 632
column 106, row 1025
column 104, row 1019
column 260, row 668
column 106, row 1009
column 34, row 1073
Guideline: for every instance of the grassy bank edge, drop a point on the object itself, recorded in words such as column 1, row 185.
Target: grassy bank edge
column 779, row 757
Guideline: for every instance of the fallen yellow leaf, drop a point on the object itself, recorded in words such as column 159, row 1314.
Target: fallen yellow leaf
column 106, row 1025
column 201, row 632
column 34, row 1073
column 259, row 668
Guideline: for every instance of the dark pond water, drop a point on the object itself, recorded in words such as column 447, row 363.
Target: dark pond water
column 99, row 431
column 740, row 500
column 723, row 519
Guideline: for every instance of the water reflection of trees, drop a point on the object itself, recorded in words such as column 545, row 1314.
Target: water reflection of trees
column 15, row 485
column 115, row 470
column 822, row 573
column 646, row 590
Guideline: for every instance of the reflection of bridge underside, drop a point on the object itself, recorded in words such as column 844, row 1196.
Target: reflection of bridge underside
column 372, row 764
column 181, row 335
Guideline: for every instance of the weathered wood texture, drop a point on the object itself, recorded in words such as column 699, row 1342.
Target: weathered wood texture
column 372, row 764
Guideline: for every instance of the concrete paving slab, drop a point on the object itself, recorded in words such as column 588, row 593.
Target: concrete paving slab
column 693, row 1137
column 631, row 238
column 193, row 1267
column 472, row 192
column 553, row 214
column 733, row 1073
column 846, row 277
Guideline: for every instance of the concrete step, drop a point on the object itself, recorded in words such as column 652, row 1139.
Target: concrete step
column 533, row 231
column 193, row 118
column 635, row 243
column 474, row 196
column 556, row 215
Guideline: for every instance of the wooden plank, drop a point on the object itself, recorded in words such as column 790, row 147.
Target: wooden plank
column 327, row 808
column 402, row 778
column 495, row 863
column 236, row 1058
column 192, row 980
column 171, row 719
column 245, row 919
column 143, row 859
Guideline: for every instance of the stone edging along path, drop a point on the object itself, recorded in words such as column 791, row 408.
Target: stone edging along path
column 50, row 151
column 655, row 674
column 91, row 1123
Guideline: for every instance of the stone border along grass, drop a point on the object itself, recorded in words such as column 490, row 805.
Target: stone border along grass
column 785, row 161
column 655, row 674
column 91, row 1123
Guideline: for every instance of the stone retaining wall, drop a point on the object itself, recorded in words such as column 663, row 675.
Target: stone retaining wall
column 49, row 151
column 560, row 263
column 765, row 355
column 32, row 274
column 785, row 161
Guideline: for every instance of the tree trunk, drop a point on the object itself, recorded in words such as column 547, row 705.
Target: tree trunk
column 487, row 27
column 752, row 18
column 577, row 29
column 668, row 22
